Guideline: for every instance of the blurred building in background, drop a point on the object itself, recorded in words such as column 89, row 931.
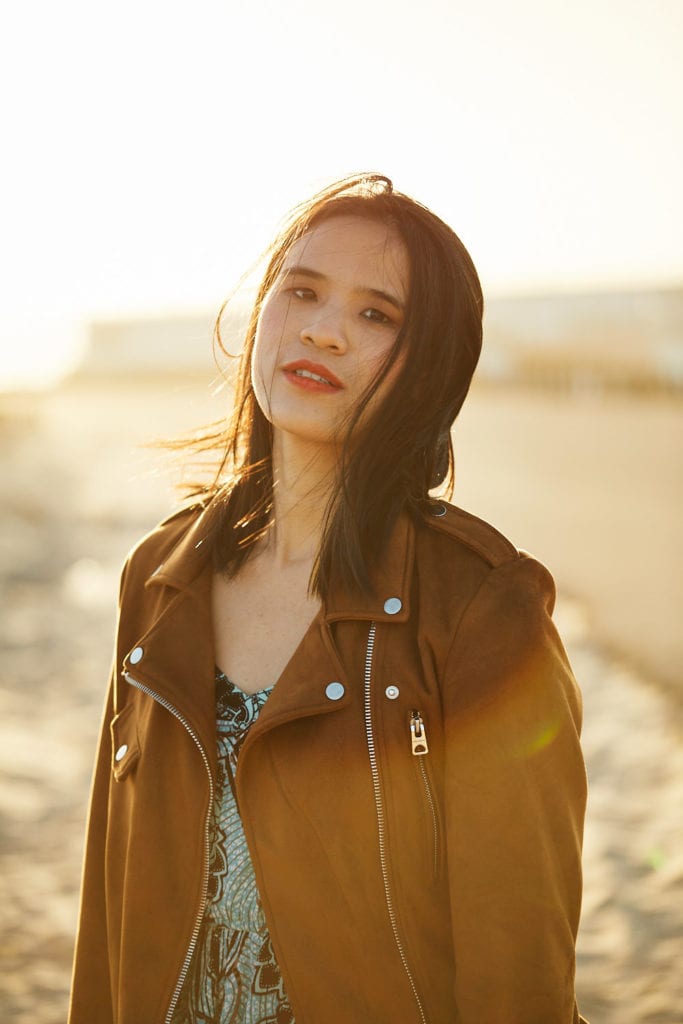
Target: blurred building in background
column 624, row 340
column 144, row 348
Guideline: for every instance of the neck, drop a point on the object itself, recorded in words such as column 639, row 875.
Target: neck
column 303, row 476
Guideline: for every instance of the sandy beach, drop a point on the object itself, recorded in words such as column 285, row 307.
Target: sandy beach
column 76, row 495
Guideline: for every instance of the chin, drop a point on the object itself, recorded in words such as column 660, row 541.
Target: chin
column 303, row 431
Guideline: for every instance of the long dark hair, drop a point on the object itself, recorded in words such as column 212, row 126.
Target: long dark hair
column 408, row 451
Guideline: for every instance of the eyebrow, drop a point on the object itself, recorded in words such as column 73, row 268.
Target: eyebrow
column 360, row 290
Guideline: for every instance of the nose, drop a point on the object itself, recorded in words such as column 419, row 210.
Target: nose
column 325, row 330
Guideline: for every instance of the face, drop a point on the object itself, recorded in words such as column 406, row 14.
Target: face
column 327, row 326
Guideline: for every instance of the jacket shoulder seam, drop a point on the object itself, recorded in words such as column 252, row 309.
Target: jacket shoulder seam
column 475, row 533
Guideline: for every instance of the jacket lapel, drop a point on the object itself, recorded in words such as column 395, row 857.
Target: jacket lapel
column 175, row 657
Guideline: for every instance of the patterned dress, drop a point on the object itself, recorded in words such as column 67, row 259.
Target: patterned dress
column 234, row 977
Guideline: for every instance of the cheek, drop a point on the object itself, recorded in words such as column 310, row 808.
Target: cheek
column 389, row 381
column 266, row 348
column 262, row 370
column 373, row 365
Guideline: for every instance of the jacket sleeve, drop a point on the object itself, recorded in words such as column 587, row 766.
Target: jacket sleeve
column 515, row 798
column 91, row 998
column 90, row 986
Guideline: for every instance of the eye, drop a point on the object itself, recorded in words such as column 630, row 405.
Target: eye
column 304, row 294
column 376, row 316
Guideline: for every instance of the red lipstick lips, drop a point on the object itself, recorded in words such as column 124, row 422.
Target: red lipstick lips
column 311, row 376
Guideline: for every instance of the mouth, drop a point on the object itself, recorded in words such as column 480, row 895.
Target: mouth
column 312, row 376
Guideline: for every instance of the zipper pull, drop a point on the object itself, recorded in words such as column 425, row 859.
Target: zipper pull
column 418, row 736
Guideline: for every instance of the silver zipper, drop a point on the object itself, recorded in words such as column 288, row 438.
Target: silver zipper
column 420, row 747
column 205, row 883
column 379, row 809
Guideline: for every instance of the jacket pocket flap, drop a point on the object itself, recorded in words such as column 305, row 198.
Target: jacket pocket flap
column 125, row 748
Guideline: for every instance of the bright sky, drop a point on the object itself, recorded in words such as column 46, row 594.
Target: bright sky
column 150, row 146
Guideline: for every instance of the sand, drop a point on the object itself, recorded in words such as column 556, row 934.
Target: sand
column 74, row 498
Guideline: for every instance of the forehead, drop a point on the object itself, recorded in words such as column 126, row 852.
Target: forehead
column 354, row 250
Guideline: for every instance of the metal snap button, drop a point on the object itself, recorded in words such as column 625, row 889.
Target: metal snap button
column 121, row 752
column 136, row 655
column 392, row 692
column 334, row 691
column 438, row 510
column 392, row 605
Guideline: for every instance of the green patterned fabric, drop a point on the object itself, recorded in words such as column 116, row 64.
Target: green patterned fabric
column 234, row 977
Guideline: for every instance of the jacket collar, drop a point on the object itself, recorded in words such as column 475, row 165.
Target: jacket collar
column 188, row 557
column 388, row 601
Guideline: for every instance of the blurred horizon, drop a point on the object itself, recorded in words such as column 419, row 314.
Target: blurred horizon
column 70, row 346
column 152, row 153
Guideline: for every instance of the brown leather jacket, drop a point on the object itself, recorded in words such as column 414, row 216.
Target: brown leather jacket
column 415, row 829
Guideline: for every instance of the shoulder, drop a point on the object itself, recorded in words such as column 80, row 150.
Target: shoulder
column 470, row 532
column 166, row 534
column 151, row 551
column 467, row 557
column 493, row 604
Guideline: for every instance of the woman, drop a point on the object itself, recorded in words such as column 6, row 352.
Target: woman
column 340, row 777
